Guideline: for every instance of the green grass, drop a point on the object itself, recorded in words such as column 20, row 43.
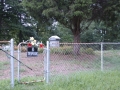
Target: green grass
column 2, row 64
column 75, row 81
column 112, row 60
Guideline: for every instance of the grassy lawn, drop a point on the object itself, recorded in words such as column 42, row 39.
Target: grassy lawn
column 111, row 60
column 75, row 81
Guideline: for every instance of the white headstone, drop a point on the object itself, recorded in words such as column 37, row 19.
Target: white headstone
column 54, row 41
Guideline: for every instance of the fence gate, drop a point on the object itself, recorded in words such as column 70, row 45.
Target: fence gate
column 31, row 65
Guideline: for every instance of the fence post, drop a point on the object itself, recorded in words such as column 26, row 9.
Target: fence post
column 19, row 63
column 44, row 52
column 101, row 56
column 48, row 63
column 12, row 61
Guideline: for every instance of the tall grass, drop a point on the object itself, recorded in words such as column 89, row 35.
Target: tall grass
column 76, row 81
column 112, row 60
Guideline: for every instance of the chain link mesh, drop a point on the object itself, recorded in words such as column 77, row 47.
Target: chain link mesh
column 78, row 57
column 71, row 57
column 4, row 62
column 111, row 56
column 66, row 59
column 32, row 67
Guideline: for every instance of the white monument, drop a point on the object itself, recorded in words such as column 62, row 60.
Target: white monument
column 54, row 41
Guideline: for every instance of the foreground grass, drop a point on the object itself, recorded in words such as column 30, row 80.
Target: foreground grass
column 78, row 81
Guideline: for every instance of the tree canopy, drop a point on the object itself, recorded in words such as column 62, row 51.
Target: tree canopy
column 67, row 12
column 76, row 15
column 82, row 18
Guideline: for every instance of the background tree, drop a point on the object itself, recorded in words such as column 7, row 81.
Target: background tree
column 68, row 12
column 76, row 15
column 15, row 21
column 106, row 14
column 72, row 14
column 5, row 19
column 64, row 33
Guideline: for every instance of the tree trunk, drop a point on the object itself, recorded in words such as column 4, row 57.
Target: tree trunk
column 76, row 33
column 76, row 46
column 20, row 36
column 0, row 23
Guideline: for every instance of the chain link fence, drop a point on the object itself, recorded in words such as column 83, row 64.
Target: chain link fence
column 70, row 57
column 78, row 57
column 111, row 56
column 66, row 59
column 4, row 62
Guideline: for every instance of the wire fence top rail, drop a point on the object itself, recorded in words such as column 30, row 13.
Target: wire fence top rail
column 95, row 43
column 2, row 42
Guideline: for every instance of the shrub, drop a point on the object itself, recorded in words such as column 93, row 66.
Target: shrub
column 15, row 47
column 66, row 50
column 23, row 49
column 54, row 50
column 40, row 50
column 82, row 50
column 62, row 50
column 89, row 51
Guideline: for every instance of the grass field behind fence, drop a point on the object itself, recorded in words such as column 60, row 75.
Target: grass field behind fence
column 75, row 81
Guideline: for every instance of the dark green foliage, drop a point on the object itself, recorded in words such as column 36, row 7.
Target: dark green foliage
column 68, row 13
column 77, row 16
column 75, row 19
column 14, row 21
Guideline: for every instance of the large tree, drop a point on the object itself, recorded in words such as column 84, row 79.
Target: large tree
column 73, row 14
column 70, row 13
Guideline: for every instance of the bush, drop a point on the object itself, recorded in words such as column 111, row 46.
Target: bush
column 15, row 47
column 66, row 50
column 82, row 50
column 23, row 49
column 54, row 50
column 62, row 50
column 40, row 50
column 89, row 51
